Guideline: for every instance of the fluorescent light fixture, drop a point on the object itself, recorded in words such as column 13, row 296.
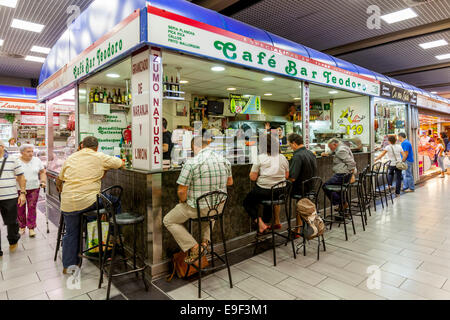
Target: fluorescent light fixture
column 40, row 49
column 267, row 94
column 25, row 25
column 231, row 89
column 333, row 92
column 218, row 68
column 443, row 56
column 433, row 92
column 399, row 15
column 113, row 75
column 184, row 81
column 246, row 96
column 8, row 3
column 434, row 44
column 35, row 59
column 82, row 91
column 268, row 79
column 1, row 42
column 297, row 98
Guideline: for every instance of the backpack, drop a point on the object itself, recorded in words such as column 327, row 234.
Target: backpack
column 181, row 268
column 313, row 225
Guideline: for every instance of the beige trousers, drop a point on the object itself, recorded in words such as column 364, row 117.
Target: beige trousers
column 174, row 222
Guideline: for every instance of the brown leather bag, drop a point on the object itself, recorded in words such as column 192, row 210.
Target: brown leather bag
column 181, row 268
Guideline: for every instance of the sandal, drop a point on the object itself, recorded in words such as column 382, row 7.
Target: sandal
column 193, row 255
column 275, row 226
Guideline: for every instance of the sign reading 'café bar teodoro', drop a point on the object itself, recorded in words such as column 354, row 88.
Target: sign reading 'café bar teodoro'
column 174, row 31
column 390, row 92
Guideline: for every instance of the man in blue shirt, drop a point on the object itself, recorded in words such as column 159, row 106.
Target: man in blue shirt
column 408, row 178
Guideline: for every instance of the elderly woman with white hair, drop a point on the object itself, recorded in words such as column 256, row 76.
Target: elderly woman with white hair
column 35, row 176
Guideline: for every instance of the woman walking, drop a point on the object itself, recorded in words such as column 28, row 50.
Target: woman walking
column 35, row 176
column 395, row 154
column 440, row 152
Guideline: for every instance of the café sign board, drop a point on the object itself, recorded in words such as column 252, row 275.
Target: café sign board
column 391, row 92
column 174, row 31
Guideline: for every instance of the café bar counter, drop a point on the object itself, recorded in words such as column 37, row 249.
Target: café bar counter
column 154, row 194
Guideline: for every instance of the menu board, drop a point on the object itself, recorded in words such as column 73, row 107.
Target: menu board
column 37, row 119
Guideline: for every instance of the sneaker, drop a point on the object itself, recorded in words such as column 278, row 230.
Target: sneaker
column 31, row 233
column 64, row 270
column 22, row 231
column 13, row 247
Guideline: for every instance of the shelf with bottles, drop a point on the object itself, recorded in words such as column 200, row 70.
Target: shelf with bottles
column 171, row 89
column 114, row 96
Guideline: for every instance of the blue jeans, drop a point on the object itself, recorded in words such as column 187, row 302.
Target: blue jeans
column 398, row 178
column 336, row 179
column 408, row 178
column 71, row 240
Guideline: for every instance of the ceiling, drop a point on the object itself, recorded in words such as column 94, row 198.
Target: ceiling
column 203, row 81
column 339, row 27
column 17, row 43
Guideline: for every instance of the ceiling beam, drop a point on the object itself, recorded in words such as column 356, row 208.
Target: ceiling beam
column 411, row 33
column 418, row 69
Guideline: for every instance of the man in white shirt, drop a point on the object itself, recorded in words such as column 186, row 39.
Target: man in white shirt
column 10, row 172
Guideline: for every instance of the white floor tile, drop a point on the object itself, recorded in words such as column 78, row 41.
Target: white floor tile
column 18, row 282
column 237, row 275
column 414, row 274
column 303, row 291
column 340, row 274
column 220, row 290
column 385, row 277
column 262, row 290
column 300, row 273
column 187, row 292
column 425, row 290
column 345, row 291
column 391, row 292
column 263, row 272
column 42, row 296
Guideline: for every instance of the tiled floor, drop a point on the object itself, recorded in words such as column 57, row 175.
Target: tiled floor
column 407, row 243
column 30, row 272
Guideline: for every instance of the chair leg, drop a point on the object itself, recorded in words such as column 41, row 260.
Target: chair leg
column 384, row 189
column 100, row 245
column 212, row 243
column 273, row 239
column 318, row 247
column 304, row 246
column 143, row 257
column 288, row 216
column 225, row 250
column 102, row 264
column 341, row 209
column 80, row 252
column 199, row 260
column 134, row 248
column 323, row 243
column 58, row 238
column 113, row 256
column 350, row 213
column 372, row 192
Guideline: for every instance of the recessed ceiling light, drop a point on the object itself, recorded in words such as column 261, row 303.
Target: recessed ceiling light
column 433, row 44
column 268, row 79
column 184, row 81
column 40, row 49
column 8, row 3
column 1, row 42
column 35, row 59
column 297, row 98
column 246, row 96
column 231, row 89
column 217, row 68
column 25, row 25
column 113, row 75
column 399, row 15
column 443, row 56
column 333, row 92
column 433, row 92
column 267, row 94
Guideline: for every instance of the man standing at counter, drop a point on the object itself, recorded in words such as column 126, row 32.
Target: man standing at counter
column 81, row 174
column 343, row 165
column 167, row 141
column 408, row 179
column 303, row 164
column 205, row 172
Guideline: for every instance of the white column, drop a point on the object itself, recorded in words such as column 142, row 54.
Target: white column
column 305, row 113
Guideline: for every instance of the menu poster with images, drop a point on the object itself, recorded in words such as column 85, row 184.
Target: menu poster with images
column 36, row 119
column 108, row 132
column 351, row 117
column 245, row 104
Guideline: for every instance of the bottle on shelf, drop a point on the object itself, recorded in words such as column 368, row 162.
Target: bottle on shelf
column 100, row 95
column 91, row 95
column 105, row 96
column 129, row 95
column 96, row 96
column 165, row 84
column 114, row 96
column 110, row 99
column 122, row 97
column 177, row 87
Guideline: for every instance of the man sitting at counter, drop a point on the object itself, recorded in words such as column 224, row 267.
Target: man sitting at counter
column 303, row 165
column 205, row 172
column 343, row 165
column 81, row 174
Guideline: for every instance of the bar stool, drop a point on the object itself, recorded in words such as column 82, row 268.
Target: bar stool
column 280, row 195
column 215, row 202
column 313, row 187
column 386, row 182
column 375, row 189
column 342, row 191
column 115, row 221
column 360, row 203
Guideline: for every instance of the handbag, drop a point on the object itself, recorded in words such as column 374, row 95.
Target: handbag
column 92, row 237
column 181, row 268
column 399, row 165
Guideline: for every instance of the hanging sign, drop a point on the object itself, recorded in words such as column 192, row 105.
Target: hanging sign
column 391, row 92
column 245, row 104
column 37, row 119
column 305, row 114
column 174, row 31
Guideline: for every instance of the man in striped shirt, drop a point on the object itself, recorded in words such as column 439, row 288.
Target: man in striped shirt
column 10, row 172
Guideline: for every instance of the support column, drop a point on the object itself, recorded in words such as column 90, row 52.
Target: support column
column 305, row 113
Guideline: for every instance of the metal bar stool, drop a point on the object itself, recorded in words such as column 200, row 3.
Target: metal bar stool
column 342, row 191
column 360, row 203
column 310, row 189
column 280, row 195
column 215, row 202
column 375, row 189
column 386, row 182
column 115, row 221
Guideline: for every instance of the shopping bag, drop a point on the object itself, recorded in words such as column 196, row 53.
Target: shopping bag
column 92, row 236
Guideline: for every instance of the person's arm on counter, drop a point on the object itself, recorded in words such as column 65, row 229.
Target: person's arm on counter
column 110, row 162
column 382, row 154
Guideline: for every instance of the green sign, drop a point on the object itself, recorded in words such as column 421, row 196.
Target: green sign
column 245, row 104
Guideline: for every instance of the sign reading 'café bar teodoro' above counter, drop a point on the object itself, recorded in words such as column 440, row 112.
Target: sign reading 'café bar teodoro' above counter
column 391, row 92
column 174, row 31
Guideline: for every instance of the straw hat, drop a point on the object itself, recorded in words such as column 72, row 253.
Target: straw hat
column 305, row 206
